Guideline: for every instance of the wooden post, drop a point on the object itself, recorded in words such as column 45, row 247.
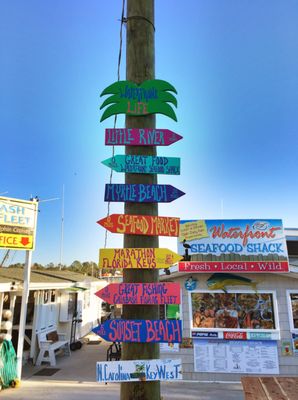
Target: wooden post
column 140, row 66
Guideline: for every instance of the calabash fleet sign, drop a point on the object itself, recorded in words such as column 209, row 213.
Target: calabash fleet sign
column 137, row 258
column 139, row 370
column 150, row 97
column 235, row 246
column 141, row 225
column 142, row 164
column 140, row 330
column 17, row 223
column 141, row 293
column 141, row 193
column 140, row 137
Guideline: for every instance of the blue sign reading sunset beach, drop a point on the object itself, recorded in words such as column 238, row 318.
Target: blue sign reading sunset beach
column 140, row 331
column 141, row 193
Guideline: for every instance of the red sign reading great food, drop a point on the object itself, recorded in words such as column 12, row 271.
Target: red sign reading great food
column 141, row 224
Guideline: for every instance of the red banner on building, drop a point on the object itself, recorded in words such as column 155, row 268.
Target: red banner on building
column 233, row 266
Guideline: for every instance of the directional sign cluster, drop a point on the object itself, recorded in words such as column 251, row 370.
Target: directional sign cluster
column 150, row 97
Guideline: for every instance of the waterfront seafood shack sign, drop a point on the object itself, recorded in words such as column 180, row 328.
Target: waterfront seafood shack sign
column 139, row 370
column 233, row 245
column 140, row 330
column 137, row 258
column 141, row 193
column 140, row 137
column 150, row 97
column 142, row 164
column 17, row 223
column 150, row 225
column 141, row 293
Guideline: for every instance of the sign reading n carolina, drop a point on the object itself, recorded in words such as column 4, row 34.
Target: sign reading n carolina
column 233, row 245
column 17, row 224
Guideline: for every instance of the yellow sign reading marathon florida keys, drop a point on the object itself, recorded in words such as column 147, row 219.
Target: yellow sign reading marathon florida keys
column 17, row 223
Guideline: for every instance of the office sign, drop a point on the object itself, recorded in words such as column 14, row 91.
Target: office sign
column 233, row 246
column 141, row 293
column 141, row 258
column 17, row 223
column 139, row 370
column 143, row 164
column 150, row 97
column 140, row 330
column 140, row 137
column 141, row 193
column 150, row 225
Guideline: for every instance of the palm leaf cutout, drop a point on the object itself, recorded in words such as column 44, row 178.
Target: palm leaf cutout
column 150, row 97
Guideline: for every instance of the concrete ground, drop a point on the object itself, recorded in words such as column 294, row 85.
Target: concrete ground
column 75, row 380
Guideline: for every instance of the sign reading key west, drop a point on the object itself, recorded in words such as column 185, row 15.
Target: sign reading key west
column 137, row 258
column 141, row 193
column 151, row 225
column 141, row 293
column 139, row 370
column 17, row 224
column 142, row 164
column 140, row 330
column 140, row 137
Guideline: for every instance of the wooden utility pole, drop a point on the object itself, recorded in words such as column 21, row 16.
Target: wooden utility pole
column 140, row 66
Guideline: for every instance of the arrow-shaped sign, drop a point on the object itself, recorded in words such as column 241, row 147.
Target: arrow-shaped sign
column 141, row 224
column 142, row 164
column 139, row 370
column 137, row 258
column 140, row 330
column 141, row 193
column 141, row 293
column 140, row 137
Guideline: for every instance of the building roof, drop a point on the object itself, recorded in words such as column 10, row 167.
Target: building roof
column 45, row 278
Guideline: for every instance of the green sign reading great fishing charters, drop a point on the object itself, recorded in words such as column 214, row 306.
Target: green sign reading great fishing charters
column 150, row 97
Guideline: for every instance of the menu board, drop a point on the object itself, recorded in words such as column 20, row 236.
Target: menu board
column 236, row 356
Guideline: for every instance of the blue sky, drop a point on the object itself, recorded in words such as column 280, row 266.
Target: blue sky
column 234, row 65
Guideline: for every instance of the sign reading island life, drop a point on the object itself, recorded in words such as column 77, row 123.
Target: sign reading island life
column 142, row 164
column 141, row 193
column 137, row 258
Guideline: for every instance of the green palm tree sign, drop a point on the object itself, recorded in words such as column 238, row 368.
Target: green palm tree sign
column 150, row 97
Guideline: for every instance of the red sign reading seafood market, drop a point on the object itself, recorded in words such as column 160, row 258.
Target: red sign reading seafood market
column 141, row 224
column 141, row 293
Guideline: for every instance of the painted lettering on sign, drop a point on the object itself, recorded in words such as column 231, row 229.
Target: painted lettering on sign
column 141, row 224
column 141, row 293
column 140, row 331
column 137, row 258
column 150, row 97
column 140, row 137
column 233, row 266
column 139, row 370
column 141, row 193
column 143, row 164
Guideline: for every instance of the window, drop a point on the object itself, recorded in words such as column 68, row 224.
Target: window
column 234, row 311
column 293, row 310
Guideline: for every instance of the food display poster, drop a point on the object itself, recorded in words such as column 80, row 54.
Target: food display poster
column 232, row 310
column 251, row 357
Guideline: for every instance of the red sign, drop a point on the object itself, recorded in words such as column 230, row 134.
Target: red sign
column 233, row 266
column 140, row 137
column 141, row 224
column 141, row 293
column 235, row 335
